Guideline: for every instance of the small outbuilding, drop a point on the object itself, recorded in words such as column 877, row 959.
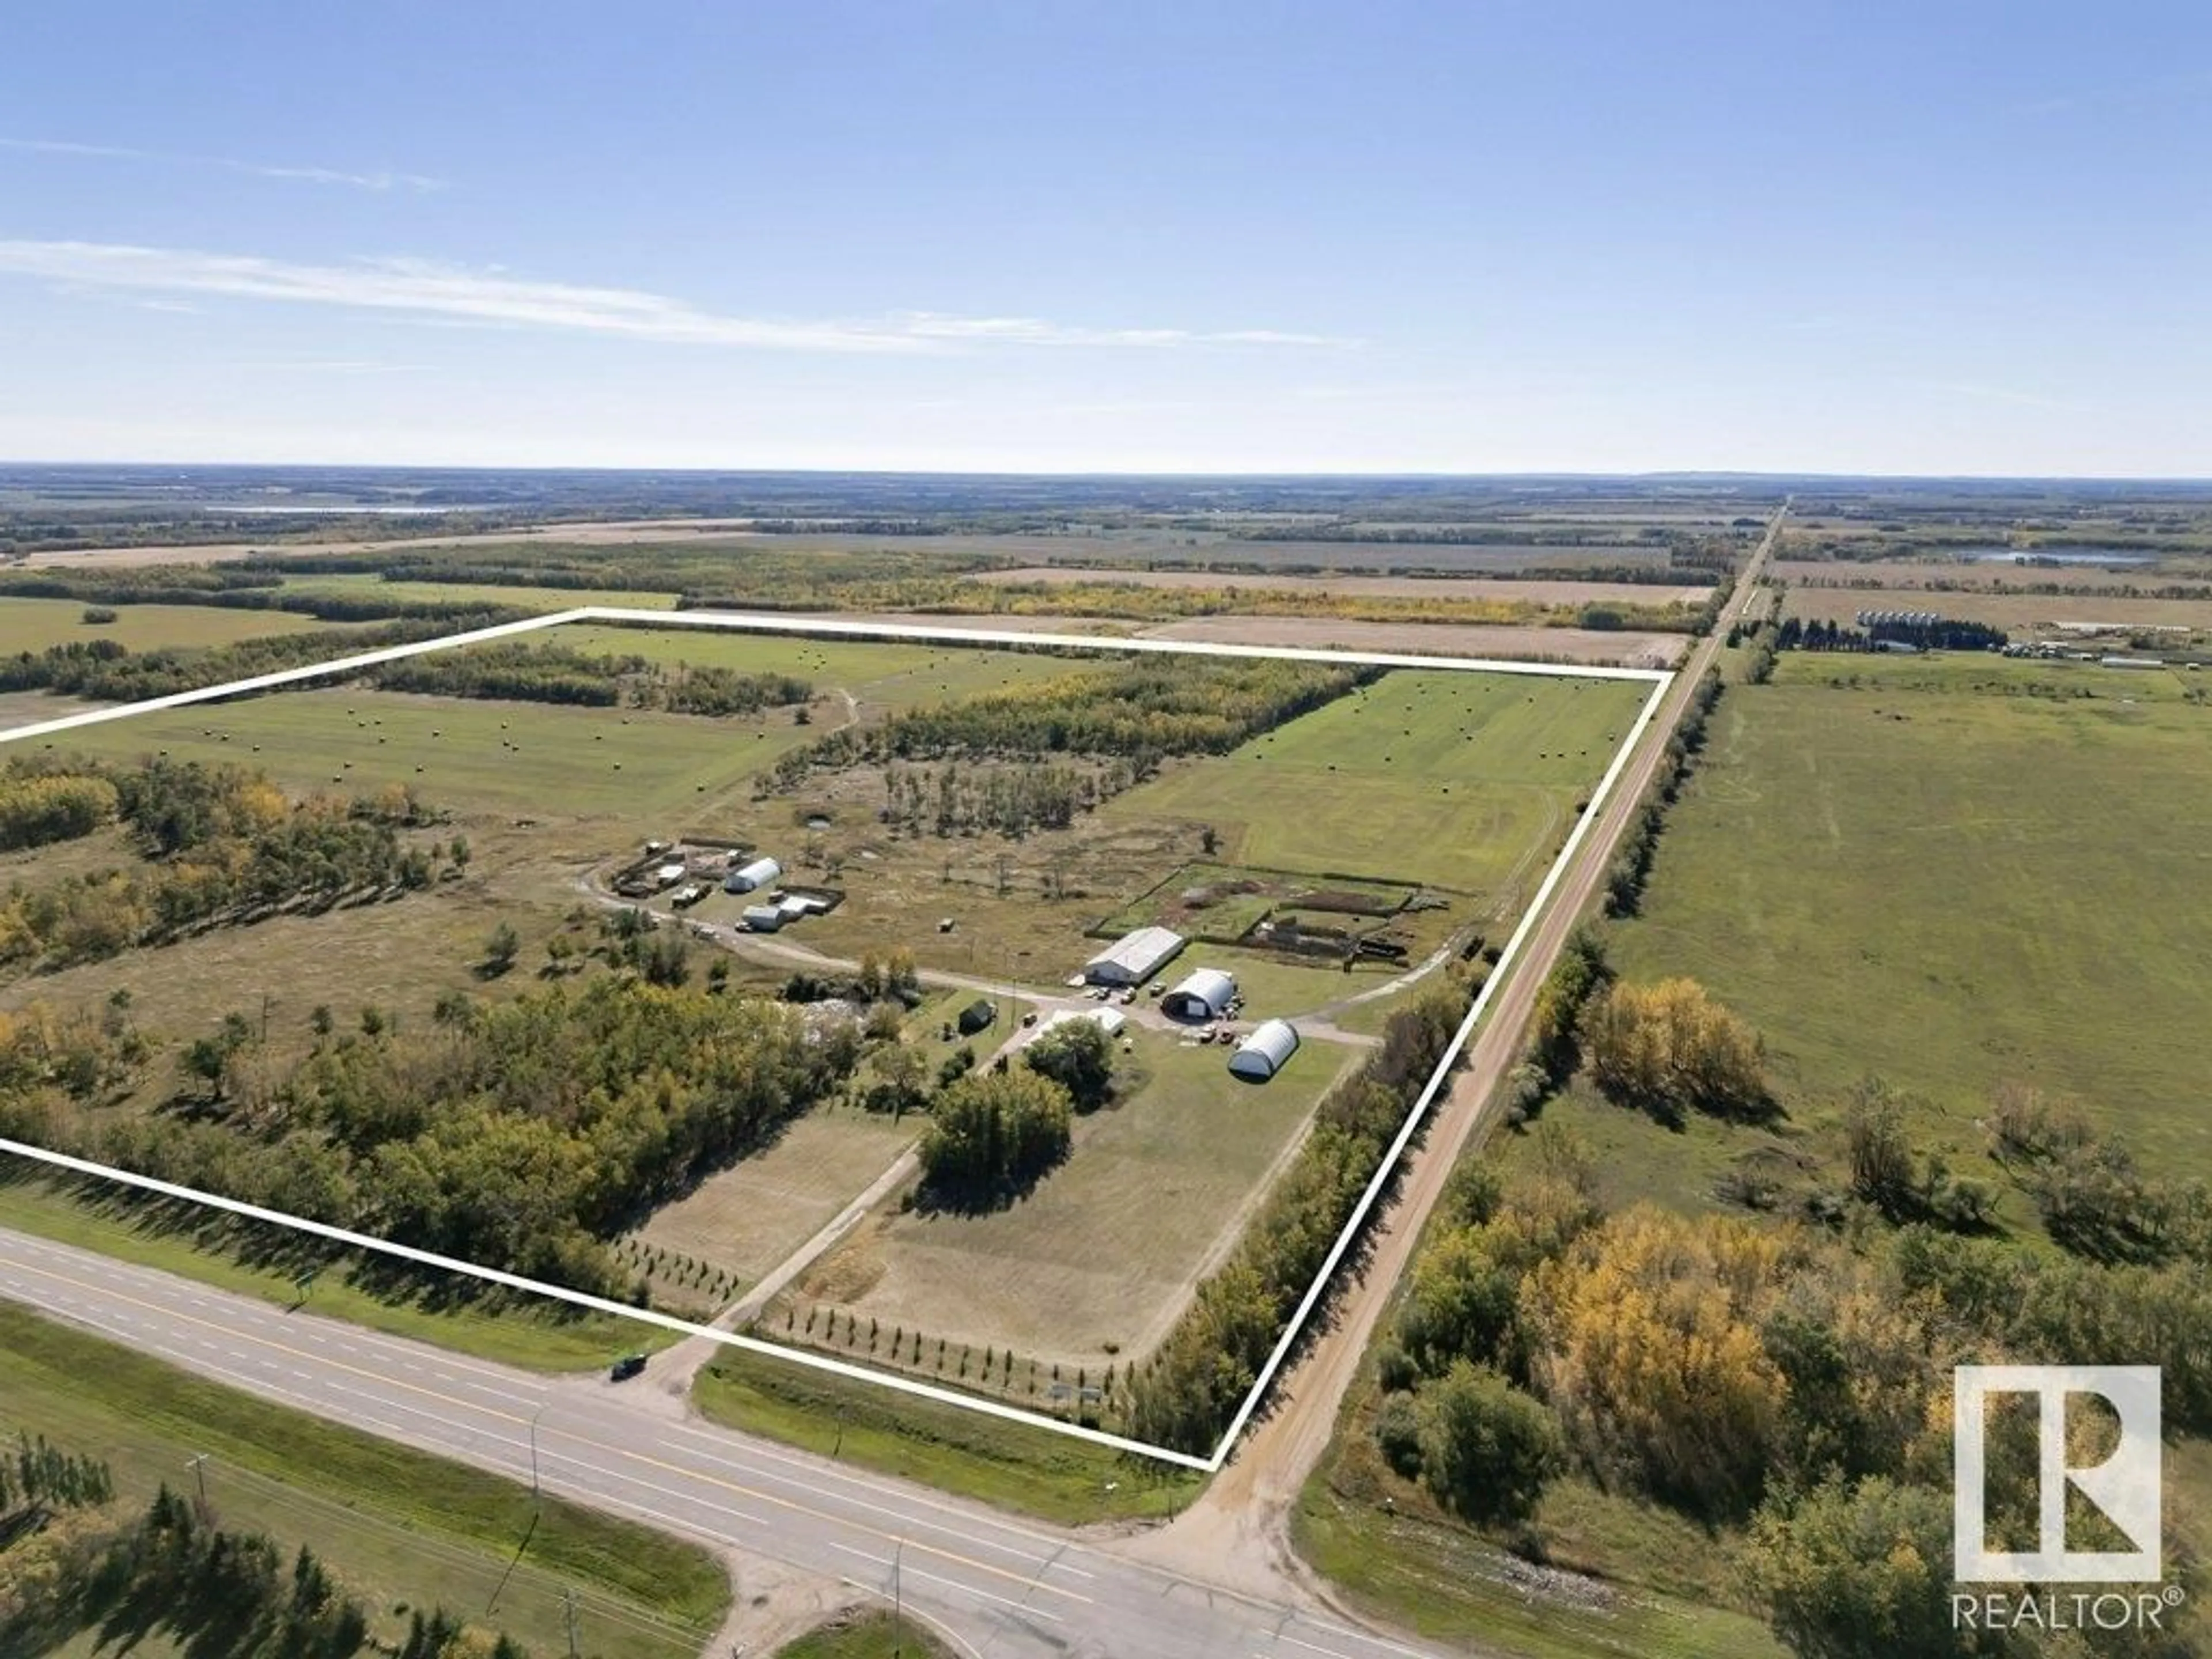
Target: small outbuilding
column 748, row 879
column 762, row 918
column 1206, row 994
column 978, row 1014
column 1134, row 957
column 1265, row 1051
column 1109, row 1020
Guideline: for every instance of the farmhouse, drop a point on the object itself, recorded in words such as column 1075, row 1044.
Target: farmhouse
column 1266, row 1052
column 1205, row 995
column 760, row 872
column 1134, row 958
column 1109, row 1020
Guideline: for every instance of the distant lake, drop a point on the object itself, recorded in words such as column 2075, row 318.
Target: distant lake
column 2066, row 556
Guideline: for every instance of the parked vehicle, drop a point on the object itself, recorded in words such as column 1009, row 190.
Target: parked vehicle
column 627, row 1367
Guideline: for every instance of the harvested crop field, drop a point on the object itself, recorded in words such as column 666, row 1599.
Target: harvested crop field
column 1584, row 645
column 1423, row 587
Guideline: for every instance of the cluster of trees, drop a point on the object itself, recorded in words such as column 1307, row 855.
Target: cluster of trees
column 1138, row 711
column 1185, row 1396
column 230, row 587
column 1632, row 865
column 1006, row 798
column 1078, row 1056
column 1669, row 1048
column 170, row 1574
column 1943, row 635
column 526, row 672
column 223, row 845
column 42, row 1478
column 37, row 808
column 106, row 671
column 992, row 1135
column 1784, row 1385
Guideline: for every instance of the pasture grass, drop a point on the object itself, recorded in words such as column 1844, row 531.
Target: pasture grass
column 1926, row 878
column 36, row 624
column 465, row 754
column 396, row 1525
column 1458, row 779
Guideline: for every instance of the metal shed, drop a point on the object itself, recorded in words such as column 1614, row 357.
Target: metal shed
column 1266, row 1052
column 760, row 872
column 1206, row 994
column 762, row 918
column 1134, row 957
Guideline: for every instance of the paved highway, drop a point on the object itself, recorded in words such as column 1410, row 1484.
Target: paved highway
column 1006, row 1587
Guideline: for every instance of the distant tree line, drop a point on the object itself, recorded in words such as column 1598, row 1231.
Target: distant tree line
column 1795, row 634
column 106, row 671
column 1141, row 711
column 533, row 672
column 1639, row 844
column 236, row 587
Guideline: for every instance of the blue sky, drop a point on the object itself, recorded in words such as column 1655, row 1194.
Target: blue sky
column 1927, row 238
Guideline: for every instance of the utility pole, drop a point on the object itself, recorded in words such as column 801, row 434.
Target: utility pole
column 198, row 1466
column 898, row 1602
column 534, row 1491
column 569, row 1605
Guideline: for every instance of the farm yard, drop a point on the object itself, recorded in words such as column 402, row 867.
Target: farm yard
column 2038, row 613
column 980, row 819
column 1098, row 1262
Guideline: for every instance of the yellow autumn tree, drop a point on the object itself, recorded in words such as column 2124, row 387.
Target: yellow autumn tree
column 1670, row 1048
column 1646, row 1341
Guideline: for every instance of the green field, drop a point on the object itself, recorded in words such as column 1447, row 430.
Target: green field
column 35, row 625
column 567, row 762
column 890, row 675
column 396, row 1526
column 1446, row 779
column 1983, row 888
column 1007, row 1465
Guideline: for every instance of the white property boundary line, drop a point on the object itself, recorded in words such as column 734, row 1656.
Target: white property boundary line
column 1658, row 679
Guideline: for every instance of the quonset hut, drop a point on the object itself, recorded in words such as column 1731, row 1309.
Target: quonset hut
column 1266, row 1052
column 751, row 877
column 1206, row 994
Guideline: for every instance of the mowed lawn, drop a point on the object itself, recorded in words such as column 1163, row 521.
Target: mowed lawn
column 37, row 624
column 465, row 754
column 1459, row 780
column 1099, row 1256
column 1954, row 888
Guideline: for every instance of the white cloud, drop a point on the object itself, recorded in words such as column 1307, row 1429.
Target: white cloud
column 380, row 181
column 425, row 288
